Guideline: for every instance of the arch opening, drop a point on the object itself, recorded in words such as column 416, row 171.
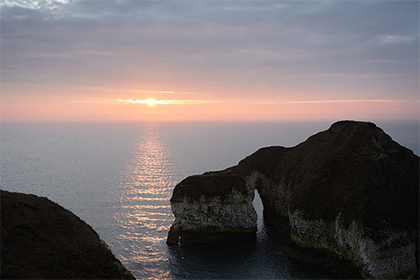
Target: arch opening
column 259, row 208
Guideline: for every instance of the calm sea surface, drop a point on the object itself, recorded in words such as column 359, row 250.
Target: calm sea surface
column 119, row 179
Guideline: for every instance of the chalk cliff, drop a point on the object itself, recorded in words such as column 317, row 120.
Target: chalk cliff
column 212, row 208
column 347, row 199
column 42, row 240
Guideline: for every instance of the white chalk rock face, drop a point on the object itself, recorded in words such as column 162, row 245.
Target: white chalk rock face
column 213, row 208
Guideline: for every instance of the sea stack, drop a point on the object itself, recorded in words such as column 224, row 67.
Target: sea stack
column 42, row 240
column 347, row 199
column 215, row 207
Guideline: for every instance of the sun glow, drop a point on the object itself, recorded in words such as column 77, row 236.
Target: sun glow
column 151, row 102
column 148, row 102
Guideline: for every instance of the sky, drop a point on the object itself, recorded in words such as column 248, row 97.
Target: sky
column 122, row 60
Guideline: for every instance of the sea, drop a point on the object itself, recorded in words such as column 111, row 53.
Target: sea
column 119, row 177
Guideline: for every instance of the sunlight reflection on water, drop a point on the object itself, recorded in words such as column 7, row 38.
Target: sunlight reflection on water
column 144, row 213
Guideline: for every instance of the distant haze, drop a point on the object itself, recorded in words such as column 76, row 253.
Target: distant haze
column 89, row 60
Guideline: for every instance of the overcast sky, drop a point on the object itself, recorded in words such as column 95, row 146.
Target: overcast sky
column 260, row 59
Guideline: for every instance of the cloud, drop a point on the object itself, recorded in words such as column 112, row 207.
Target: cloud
column 213, row 46
column 394, row 39
column 169, row 92
column 149, row 101
column 333, row 101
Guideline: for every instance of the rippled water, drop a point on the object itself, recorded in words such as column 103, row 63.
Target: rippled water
column 119, row 179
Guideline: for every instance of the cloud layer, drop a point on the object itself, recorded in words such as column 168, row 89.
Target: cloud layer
column 278, row 50
column 149, row 101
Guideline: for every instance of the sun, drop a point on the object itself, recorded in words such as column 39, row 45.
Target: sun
column 150, row 102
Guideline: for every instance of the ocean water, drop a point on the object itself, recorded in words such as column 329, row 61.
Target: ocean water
column 119, row 177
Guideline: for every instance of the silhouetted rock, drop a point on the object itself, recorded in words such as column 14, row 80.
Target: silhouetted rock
column 212, row 208
column 347, row 199
column 42, row 240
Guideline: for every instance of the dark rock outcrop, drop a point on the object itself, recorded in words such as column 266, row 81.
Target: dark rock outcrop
column 347, row 199
column 42, row 240
column 213, row 208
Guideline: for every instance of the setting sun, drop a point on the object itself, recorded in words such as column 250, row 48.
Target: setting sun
column 151, row 102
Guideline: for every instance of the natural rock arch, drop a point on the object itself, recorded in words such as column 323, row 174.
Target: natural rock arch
column 347, row 197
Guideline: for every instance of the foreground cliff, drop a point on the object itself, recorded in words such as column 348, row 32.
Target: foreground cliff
column 42, row 240
column 347, row 199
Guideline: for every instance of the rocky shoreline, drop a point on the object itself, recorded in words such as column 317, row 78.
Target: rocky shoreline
column 347, row 199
